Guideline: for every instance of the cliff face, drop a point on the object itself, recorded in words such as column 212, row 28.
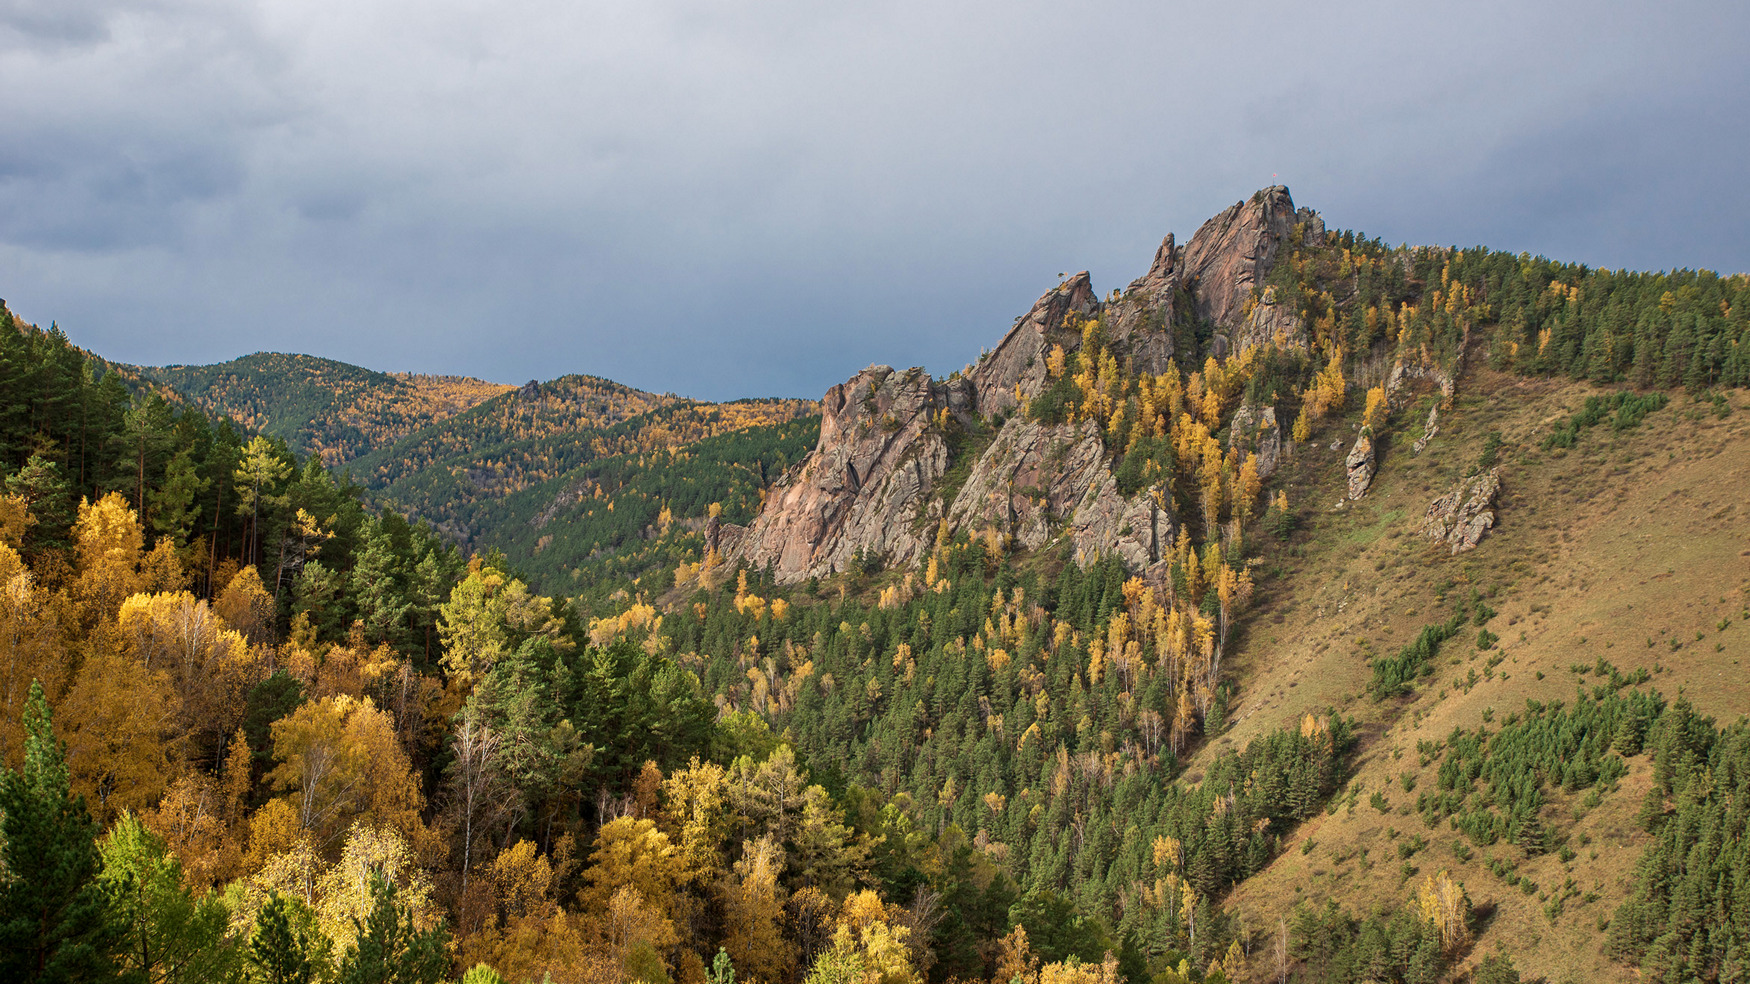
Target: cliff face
column 1018, row 364
column 866, row 485
column 1229, row 258
column 872, row 484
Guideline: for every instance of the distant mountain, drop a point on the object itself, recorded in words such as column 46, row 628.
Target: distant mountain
column 321, row 406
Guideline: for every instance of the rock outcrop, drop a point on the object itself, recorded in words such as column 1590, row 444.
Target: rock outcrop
column 872, row 483
column 1461, row 517
column 1036, row 477
column 1256, row 432
column 1429, row 429
column 1141, row 322
column 1015, row 371
column 1228, row 259
column 866, row 485
column 1361, row 465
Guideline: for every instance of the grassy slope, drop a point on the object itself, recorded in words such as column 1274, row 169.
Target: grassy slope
column 1624, row 538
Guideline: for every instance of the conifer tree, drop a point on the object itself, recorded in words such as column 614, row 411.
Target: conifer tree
column 169, row 935
column 390, row 949
column 280, row 952
column 54, row 911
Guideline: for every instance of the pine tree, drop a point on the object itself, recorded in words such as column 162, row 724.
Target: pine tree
column 176, row 503
column 381, row 605
column 279, row 952
column 169, row 935
column 54, row 912
column 389, row 949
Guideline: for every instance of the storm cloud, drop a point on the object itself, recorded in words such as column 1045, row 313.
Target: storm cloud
column 722, row 198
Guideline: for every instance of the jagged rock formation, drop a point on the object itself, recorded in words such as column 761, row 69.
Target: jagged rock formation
column 1142, row 320
column 871, row 484
column 1018, row 364
column 865, row 486
column 1361, row 465
column 1461, row 517
column 1230, row 256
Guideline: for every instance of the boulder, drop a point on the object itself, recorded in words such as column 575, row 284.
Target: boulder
column 1254, row 431
column 1461, row 517
column 1361, row 465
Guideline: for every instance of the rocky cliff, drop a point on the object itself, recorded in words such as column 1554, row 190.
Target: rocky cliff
column 866, row 486
column 872, row 486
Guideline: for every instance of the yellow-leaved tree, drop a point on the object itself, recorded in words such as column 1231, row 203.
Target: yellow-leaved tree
column 340, row 763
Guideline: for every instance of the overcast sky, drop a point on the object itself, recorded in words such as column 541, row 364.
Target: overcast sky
column 722, row 198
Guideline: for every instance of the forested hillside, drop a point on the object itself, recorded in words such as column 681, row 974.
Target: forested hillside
column 485, row 475
column 318, row 406
column 1439, row 678
column 622, row 517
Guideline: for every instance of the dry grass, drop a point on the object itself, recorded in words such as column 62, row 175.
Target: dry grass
column 1624, row 540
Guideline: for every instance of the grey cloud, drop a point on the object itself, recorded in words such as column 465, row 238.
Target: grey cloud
column 723, row 198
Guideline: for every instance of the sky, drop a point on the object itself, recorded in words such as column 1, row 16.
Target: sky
column 721, row 198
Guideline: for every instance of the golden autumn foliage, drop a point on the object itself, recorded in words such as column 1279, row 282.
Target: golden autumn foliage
column 1373, row 417
column 340, row 763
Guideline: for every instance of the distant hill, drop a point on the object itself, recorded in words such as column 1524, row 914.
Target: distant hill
column 320, row 406
column 483, row 461
column 454, row 473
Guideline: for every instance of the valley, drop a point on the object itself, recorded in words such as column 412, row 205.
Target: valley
column 1307, row 609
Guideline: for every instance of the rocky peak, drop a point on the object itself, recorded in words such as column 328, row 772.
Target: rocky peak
column 1142, row 322
column 1019, row 360
column 1229, row 258
column 872, row 483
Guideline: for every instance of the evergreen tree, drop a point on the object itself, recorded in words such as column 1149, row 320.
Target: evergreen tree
column 389, row 949
column 381, row 605
column 280, row 952
column 169, row 935
column 54, row 911
column 176, row 504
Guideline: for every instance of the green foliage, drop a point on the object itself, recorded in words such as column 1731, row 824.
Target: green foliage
column 168, row 934
column 1491, row 451
column 1056, row 931
column 285, row 948
column 722, row 969
column 1551, row 746
column 1336, row 946
column 563, row 533
column 1392, row 675
column 55, row 912
column 1625, row 410
column 1497, row 969
column 390, row 949
column 1686, row 917
column 1053, row 405
column 459, row 473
